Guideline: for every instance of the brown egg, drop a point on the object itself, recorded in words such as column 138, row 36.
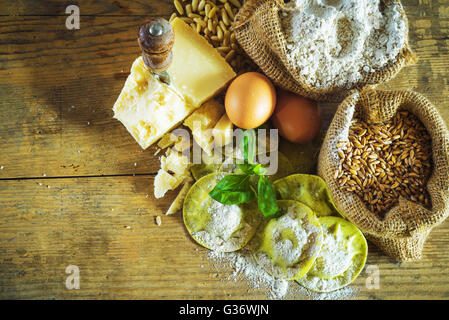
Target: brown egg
column 250, row 100
column 298, row 119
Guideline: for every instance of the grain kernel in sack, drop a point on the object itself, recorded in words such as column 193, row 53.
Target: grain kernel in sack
column 395, row 160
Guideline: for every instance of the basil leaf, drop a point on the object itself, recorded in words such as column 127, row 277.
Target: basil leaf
column 232, row 197
column 260, row 170
column 233, row 189
column 247, row 168
column 249, row 145
column 266, row 198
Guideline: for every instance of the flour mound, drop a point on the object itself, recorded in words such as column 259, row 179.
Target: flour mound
column 335, row 43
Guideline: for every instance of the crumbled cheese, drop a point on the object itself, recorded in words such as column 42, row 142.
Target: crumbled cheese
column 202, row 121
column 164, row 182
column 175, row 162
column 179, row 200
column 183, row 144
column 167, row 140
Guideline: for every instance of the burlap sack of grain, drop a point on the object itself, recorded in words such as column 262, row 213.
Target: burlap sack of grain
column 258, row 30
column 402, row 232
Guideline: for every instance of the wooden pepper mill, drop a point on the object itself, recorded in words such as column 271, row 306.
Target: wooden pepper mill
column 156, row 38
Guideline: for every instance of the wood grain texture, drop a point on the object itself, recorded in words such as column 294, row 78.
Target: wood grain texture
column 91, row 209
column 106, row 226
column 87, row 7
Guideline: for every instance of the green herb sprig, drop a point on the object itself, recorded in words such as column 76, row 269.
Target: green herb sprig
column 236, row 188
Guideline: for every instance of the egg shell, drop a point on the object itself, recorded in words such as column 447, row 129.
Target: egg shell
column 250, row 100
column 298, row 119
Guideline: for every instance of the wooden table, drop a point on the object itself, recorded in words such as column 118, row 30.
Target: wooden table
column 76, row 189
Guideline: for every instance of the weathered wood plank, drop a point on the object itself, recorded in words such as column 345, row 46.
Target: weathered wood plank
column 57, row 89
column 106, row 227
column 87, row 7
column 428, row 29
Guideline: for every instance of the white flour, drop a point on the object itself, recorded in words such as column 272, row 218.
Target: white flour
column 333, row 259
column 284, row 247
column 223, row 231
column 333, row 43
column 245, row 268
column 225, row 219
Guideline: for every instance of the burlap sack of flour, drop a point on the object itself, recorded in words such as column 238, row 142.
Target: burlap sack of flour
column 402, row 232
column 258, row 30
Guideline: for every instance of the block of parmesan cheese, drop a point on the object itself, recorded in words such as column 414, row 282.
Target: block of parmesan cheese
column 147, row 107
column 197, row 71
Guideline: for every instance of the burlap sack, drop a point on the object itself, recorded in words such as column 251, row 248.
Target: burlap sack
column 258, row 30
column 403, row 230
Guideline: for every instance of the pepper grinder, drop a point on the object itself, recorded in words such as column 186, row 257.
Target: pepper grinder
column 156, row 38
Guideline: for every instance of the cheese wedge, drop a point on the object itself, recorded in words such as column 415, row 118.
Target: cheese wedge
column 197, row 71
column 201, row 122
column 222, row 131
column 147, row 107
column 179, row 200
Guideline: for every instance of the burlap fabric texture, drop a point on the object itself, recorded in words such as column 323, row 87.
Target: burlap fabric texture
column 402, row 232
column 258, row 30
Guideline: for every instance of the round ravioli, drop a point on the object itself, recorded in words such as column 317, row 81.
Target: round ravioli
column 202, row 169
column 288, row 245
column 214, row 225
column 341, row 259
column 308, row 189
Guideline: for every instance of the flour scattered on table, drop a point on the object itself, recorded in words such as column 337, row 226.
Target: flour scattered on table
column 245, row 268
